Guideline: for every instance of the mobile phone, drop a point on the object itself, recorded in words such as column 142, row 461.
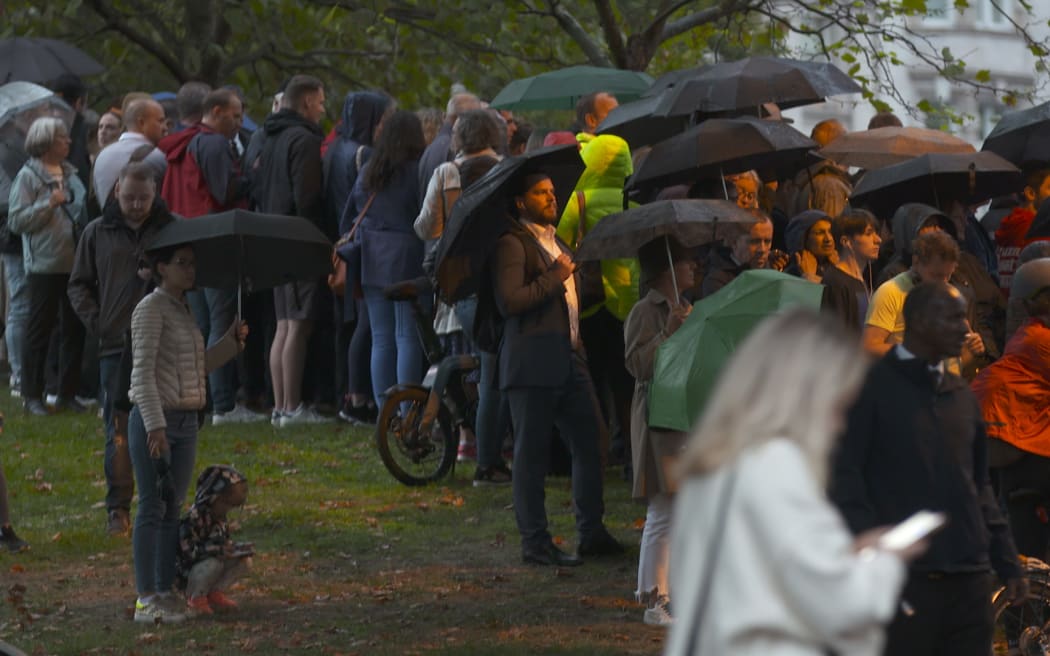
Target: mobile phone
column 917, row 527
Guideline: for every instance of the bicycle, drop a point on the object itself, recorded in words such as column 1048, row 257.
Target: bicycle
column 417, row 432
column 1024, row 630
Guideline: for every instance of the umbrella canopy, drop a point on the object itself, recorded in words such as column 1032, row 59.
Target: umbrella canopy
column 636, row 123
column 479, row 218
column 937, row 179
column 672, row 78
column 692, row 222
column 688, row 363
column 561, row 89
column 754, row 81
column 1023, row 136
column 879, row 147
column 242, row 249
column 36, row 59
column 722, row 146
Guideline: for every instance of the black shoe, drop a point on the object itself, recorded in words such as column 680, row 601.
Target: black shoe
column 600, row 543
column 549, row 554
column 119, row 522
column 10, row 541
column 70, row 405
column 36, row 408
column 493, row 476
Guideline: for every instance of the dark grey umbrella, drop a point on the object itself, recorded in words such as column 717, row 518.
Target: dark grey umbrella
column 754, row 81
column 246, row 250
column 722, row 146
column 937, row 179
column 479, row 218
column 636, row 123
column 693, row 222
column 1022, row 137
column 36, row 59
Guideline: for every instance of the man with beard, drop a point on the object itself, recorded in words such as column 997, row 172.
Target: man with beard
column 109, row 278
column 543, row 372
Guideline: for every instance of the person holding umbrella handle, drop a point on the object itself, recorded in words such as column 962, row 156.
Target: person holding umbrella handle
column 168, row 388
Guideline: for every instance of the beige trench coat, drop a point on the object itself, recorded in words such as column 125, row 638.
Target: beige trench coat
column 653, row 451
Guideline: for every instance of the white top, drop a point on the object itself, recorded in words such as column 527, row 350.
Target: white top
column 116, row 155
column 786, row 581
column 545, row 235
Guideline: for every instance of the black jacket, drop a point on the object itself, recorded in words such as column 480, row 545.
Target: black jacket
column 104, row 286
column 720, row 269
column 910, row 446
column 288, row 179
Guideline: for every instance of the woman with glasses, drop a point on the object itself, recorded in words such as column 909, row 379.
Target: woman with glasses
column 47, row 210
column 168, row 388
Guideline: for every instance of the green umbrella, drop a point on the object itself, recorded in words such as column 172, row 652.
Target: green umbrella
column 688, row 363
column 561, row 89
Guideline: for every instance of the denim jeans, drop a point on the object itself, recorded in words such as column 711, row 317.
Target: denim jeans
column 397, row 354
column 17, row 311
column 493, row 420
column 120, row 481
column 155, row 538
column 222, row 310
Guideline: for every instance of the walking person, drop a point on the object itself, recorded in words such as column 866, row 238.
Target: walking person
column 915, row 439
column 47, row 208
column 385, row 201
column 168, row 389
column 761, row 562
column 653, row 319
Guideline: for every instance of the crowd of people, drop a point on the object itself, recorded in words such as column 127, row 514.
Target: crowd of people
column 757, row 509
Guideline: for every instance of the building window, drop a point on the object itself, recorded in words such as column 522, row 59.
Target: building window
column 938, row 13
column 994, row 14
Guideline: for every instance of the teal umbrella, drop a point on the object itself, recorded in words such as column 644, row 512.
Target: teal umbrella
column 561, row 89
column 688, row 363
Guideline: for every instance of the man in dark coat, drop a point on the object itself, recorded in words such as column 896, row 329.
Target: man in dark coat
column 543, row 372
column 289, row 181
column 915, row 440
column 110, row 276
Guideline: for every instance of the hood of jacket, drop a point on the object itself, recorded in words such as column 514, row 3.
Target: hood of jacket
column 174, row 146
column 213, row 481
column 608, row 161
column 1013, row 228
column 908, row 220
column 289, row 118
column 362, row 111
column 798, row 227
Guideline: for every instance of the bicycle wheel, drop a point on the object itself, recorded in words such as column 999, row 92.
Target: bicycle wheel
column 1024, row 630
column 414, row 458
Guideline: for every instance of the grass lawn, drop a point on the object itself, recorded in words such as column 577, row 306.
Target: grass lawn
column 349, row 561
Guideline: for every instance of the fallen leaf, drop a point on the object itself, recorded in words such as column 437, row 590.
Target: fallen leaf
column 639, row 524
column 18, row 568
column 56, row 537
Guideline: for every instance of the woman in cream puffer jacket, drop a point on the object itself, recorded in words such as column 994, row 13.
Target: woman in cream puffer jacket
column 168, row 389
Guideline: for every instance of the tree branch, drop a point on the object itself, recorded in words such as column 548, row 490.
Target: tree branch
column 572, row 27
column 611, row 30
column 705, row 16
column 118, row 23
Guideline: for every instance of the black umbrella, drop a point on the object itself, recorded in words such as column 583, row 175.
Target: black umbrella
column 937, row 179
column 672, row 78
column 246, row 250
column 754, row 81
column 722, row 146
column 479, row 218
column 693, row 222
column 36, row 59
column 636, row 123
column 1022, row 137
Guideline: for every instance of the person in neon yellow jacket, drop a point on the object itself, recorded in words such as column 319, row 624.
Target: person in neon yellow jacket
column 608, row 161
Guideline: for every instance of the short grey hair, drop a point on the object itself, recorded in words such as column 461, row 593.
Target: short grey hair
column 42, row 133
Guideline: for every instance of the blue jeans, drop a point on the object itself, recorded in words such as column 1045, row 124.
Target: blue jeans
column 493, row 420
column 155, row 538
column 17, row 311
column 222, row 310
column 120, row 481
column 397, row 354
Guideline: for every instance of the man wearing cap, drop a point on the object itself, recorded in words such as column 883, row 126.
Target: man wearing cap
column 543, row 373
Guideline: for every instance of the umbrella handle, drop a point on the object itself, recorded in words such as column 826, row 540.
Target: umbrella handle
column 674, row 276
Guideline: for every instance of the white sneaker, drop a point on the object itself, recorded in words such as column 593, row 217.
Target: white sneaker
column 239, row 415
column 659, row 614
column 86, row 401
column 157, row 611
column 16, row 387
column 51, row 399
column 303, row 415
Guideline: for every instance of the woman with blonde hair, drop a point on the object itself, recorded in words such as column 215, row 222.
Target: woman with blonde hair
column 761, row 563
